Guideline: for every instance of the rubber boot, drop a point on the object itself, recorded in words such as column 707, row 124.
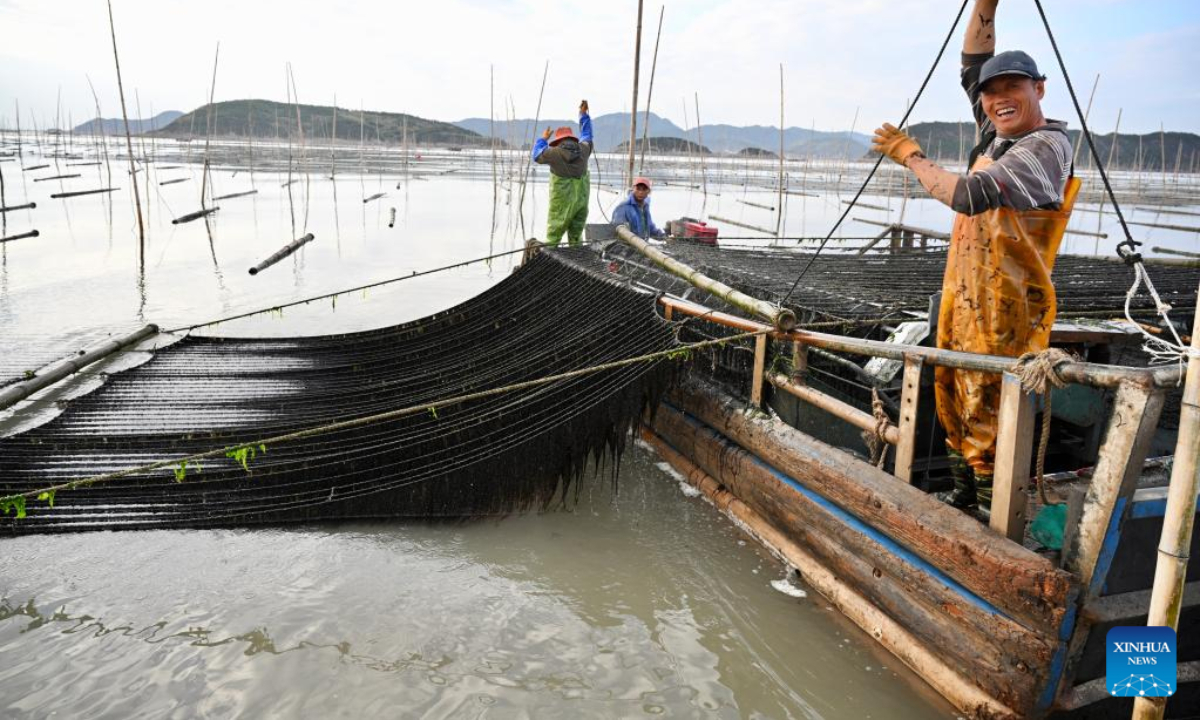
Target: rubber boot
column 963, row 495
column 983, row 495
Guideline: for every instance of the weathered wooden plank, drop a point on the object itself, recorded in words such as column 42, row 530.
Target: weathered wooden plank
column 910, row 394
column 1008, row 661
column 760, row 364
column 928, row 663
column 1021, row 583
column 1014, row 449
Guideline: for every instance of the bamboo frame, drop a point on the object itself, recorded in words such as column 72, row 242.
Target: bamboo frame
column 833, row 406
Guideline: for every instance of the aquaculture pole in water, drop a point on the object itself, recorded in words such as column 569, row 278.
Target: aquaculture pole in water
column 137, row 200
column 283, row 252
column 537, row 116
column 779, row 204
column 208, row 123
column 637, row 57
column 650, row 93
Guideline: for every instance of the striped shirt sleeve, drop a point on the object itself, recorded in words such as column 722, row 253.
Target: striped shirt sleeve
column 1030, row 174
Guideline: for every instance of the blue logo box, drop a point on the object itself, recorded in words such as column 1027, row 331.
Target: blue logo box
column 1140, row 662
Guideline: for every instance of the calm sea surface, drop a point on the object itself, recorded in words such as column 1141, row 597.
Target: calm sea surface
column 643, row 603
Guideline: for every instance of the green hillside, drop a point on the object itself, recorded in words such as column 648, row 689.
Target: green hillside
column 666, row 145
column 942, row 141
column 267, row 119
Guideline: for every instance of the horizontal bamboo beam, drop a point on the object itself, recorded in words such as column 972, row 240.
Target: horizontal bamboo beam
column 57, row 177
column 173, row 181
column 77, row 193
column 1172, row 251
column 11, row 208
column 867, row 205
column 780, row 318
column 34, row 167
column 67, row 366
column 833, row 406
column 22, row 236
column 194, row 215
column 735, row 223
column 230, row 196
column 1092, row 374
column 756, row 205
column 930, row 665
column 906, row 228
column 283, row 252
column 1163, row 226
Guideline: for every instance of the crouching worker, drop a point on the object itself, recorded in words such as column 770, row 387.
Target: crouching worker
column 570, row 184
column 635, row 211
column 1012, row 208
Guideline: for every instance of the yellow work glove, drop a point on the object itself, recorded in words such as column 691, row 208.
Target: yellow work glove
column 895, row 143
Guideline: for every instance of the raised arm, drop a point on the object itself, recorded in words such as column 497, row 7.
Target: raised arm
column 585, row 123
column 981, row 30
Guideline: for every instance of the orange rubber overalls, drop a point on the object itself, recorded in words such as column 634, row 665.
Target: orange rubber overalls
column 997, row 299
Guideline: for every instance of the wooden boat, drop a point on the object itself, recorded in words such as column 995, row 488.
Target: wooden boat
column 998, row 627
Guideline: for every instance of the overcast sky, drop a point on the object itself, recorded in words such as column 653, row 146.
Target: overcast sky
column 432, row 58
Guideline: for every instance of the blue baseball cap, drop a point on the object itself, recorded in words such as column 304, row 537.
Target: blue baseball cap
column 1010, row 62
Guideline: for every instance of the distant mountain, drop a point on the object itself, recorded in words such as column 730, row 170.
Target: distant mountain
column 666, row 145
column 941, row 141
column 116, row 126
column 265, row 118
column 613, row 129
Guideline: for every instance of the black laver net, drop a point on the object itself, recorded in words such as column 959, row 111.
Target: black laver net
column 493, row 455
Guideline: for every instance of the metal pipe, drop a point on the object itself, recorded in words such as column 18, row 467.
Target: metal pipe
column 833, row 406
column 780, row 318
column 1170, row 572
column 67, row 366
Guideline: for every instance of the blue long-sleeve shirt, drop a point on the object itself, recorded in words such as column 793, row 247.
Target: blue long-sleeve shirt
column 637, row 217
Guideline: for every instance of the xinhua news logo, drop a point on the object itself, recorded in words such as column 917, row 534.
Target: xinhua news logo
column 1140, row 662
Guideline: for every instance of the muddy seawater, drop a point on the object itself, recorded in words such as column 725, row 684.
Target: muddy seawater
column 639, row 599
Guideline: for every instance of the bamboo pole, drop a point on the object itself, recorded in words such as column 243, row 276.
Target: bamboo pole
column 22, row 236
column 137, row 201
column 280, row 254
column 58, row 196
column 779, row 202
column 1170, row 572
column 637, row 61
column 781, row 318
column 61, row 369
column 537, row 117
column 700, row 148
column 838, row 408
column 650, row 92
column 1086, row 114
column 1111, row 150
column 26, row 206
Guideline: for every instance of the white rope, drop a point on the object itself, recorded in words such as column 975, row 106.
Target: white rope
column 1160, row 351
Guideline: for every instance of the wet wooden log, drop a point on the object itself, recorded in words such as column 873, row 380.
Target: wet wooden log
column 34, row 167
column 12, row 208
column 57, row 177
column 22, row 236
column 1005, row 659
column 194, row 215
column 929, row 663
column 77, row 193
column 172, row 181
column 283, row 252
column 1022, row 584
column 230, row 196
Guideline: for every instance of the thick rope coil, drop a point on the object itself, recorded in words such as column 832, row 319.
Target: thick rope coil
column 1038, row 372
column 876, row 438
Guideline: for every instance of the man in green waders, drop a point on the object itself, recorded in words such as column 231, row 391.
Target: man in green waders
column 570, row 185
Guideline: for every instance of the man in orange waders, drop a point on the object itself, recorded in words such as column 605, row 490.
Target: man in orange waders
column 1013, row 206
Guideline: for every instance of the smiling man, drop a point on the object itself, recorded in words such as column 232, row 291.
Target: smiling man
column 1013, row 206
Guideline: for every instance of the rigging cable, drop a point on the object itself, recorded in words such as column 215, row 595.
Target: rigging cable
column 1160, row 350
column 879, row 160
